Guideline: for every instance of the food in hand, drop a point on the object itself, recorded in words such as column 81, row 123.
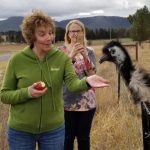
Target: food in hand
column 80, row 40
column 40, row 85
column 79, row 56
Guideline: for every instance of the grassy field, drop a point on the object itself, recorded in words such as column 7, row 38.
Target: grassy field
column 117, row 123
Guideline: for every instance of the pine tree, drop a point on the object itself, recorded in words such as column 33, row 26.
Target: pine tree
column 140, row 21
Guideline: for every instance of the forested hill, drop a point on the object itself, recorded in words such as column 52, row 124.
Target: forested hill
column 105, row 22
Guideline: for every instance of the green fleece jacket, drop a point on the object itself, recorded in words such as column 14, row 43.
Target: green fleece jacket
column 46, row 113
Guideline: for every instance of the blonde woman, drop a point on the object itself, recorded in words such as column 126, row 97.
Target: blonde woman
column 80, row 106
column 37, row 114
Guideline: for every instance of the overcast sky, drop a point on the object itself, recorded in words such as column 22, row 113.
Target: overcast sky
column 64, row 9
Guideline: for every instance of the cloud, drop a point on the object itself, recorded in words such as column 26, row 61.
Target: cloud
column 64, row 9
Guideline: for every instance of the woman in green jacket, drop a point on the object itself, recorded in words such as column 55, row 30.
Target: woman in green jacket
column 37, row 115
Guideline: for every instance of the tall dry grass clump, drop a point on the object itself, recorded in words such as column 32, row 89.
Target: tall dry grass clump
column 117, row 123
column 3, row 113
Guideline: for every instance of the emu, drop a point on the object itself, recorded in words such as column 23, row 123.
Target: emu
column 136, row 79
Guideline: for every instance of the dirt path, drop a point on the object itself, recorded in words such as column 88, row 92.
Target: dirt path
column 5, row 56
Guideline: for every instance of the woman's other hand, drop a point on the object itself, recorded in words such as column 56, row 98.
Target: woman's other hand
column 78, row 49
column 33, row 92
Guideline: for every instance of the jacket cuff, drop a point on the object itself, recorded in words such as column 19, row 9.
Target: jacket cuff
column 25, row 93
column 86, row 84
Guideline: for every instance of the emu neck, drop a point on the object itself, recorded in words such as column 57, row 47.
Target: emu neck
column 126, row 70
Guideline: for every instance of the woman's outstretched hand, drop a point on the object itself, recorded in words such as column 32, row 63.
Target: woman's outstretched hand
column 96, row 81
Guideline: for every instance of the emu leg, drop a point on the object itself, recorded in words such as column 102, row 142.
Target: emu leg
column 146, row 127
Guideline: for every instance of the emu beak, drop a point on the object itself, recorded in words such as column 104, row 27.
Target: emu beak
column 103, row 58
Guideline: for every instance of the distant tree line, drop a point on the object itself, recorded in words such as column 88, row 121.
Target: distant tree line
column 11, row 36
column 16, row 36
column 106, row 33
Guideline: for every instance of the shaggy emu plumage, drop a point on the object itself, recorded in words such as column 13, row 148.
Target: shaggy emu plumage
column 136, row 79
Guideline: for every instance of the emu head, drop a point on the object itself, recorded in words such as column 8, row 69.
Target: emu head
column 114, row 52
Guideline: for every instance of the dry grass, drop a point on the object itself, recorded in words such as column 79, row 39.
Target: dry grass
column 4, row 48
column 3, row 113
column 117, row 124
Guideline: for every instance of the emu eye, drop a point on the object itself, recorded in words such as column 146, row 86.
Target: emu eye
column 112, row 51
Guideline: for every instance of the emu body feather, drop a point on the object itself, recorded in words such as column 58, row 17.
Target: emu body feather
column 136, row 79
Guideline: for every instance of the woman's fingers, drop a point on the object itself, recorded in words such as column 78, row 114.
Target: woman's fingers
column 78, row 48
column 34, row 92
column 38, row 93
column 103, row 80
column 100, row 85
column 97, row 81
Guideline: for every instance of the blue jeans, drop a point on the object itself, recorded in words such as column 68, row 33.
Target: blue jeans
column 52, row 140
